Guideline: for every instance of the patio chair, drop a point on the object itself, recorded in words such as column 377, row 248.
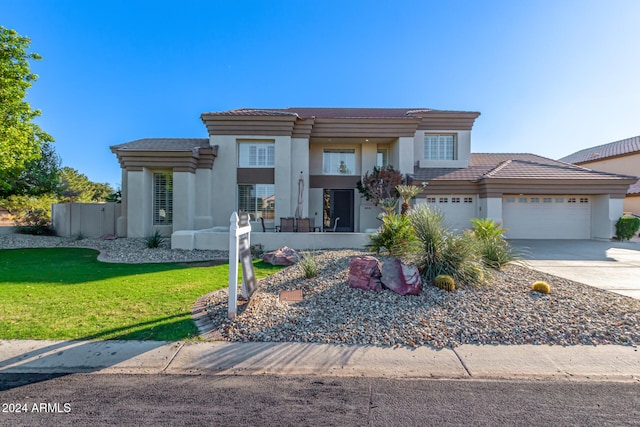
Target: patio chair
column 335, row 225
column 265, row 228
column 286, row 224
column 303, row 225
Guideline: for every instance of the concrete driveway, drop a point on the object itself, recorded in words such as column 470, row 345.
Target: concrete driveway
column 613, row 266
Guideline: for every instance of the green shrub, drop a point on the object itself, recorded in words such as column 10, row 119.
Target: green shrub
column 308, row 264
column 23, row 205
column 542, row 287
column 627, row 227
column 443, row 252
column 36, row 222
column 396, row 235
column 496, row 251
column 444, row 282
column 155, row 240
column 257, row 250
column 485, row 228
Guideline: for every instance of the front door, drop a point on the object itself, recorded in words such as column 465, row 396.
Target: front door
column 339, row 204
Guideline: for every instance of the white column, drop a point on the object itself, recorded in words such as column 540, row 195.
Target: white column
column 286, row 191
column 183, row 200
column 405, row 151
column 203, row 197
column 491, row 208
column 139, row 203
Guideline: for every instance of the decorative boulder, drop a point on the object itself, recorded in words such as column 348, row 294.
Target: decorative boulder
column 364, row 273
column 401, row 279
column 282, row 256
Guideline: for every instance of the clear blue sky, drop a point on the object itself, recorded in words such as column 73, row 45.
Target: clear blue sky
column 549, row 76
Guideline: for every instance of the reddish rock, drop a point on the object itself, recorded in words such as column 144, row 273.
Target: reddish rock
column 364, row 273
column 282, row 256
column 401, row 279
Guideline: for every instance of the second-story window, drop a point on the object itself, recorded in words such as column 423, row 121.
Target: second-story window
column 256, row 154
column 440, row 147
column 338, row 161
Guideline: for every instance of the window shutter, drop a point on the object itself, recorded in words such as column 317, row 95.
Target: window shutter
column 162, row 199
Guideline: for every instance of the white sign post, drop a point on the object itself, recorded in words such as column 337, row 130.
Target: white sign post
column 238, row 227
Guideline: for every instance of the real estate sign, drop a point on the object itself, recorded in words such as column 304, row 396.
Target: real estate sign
column 240, row 250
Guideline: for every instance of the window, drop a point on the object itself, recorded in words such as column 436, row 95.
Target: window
column 162, row 198
column 522, row 200
column 338, row 161
column 468, row 199
column 535, row 200
column 256, row 154
column 584, row 200
column 431, row 199
column 444, row 200
column 571, row 200
column 382, row 157
column 511, row 199
column 455, row 200
column 559, row 199
column 257, row 199
column 546, row 200
column 439, row 147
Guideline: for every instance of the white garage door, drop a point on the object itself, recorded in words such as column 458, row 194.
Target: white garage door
column 457, row 209
column 547, row 217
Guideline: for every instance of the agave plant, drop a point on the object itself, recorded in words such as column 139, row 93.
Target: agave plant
column 407, row 192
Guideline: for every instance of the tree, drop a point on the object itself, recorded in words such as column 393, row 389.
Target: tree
column 21, row 140
column 380, row 184
column 76, row 187
column 40, row 176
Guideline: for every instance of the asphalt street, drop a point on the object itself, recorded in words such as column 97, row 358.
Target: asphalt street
column 100, row 399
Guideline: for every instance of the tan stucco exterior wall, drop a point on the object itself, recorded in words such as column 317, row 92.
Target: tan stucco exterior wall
column 632, row 204
column 627, row 165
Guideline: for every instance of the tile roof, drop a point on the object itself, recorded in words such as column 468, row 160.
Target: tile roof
column 523, row 169
column 634, row 188
column 333, row 113
column 493, row 159
column 511, row 166
column 613, row 149
column 163, row 144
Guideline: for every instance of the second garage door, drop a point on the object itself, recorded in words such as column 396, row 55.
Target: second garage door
column 547, row 217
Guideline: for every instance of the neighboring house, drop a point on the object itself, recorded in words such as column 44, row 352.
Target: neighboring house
column 253, row 159
column 622, row 157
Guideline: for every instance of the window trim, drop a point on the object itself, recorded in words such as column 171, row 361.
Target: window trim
column 441, row 152
column 268, row 156
column 349, row 171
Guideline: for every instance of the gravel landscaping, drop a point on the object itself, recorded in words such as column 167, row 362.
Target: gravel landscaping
column 502, row 312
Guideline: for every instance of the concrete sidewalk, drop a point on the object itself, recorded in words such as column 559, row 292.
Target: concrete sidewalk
column 607, row 362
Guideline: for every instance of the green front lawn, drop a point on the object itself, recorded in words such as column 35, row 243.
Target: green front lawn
column 67, row 294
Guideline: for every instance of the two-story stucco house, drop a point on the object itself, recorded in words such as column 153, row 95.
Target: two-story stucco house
column 616, row 157
column 254, row 160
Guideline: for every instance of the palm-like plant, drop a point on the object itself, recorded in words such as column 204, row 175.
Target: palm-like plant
column 407, row 192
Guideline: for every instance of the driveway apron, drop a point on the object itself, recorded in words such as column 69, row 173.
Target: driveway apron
column 613, row 266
